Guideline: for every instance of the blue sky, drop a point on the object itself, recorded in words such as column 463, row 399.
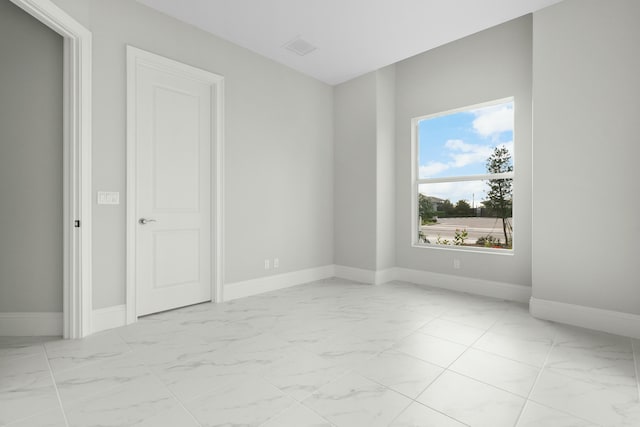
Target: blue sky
column 459, row 144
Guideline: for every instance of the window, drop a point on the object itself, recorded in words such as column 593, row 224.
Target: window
column 463, row 178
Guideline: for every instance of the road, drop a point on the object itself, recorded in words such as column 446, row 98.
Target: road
column 476, row 227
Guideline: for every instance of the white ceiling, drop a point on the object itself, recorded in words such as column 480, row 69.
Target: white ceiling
column 352, row 37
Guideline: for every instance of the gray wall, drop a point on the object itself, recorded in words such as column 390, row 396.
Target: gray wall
column 355, row 114
column 493, row 64
column 278, row 146
column 385, row 168
column 364, row 209
column 30, row 164
column 585, row 161
column 280, row 124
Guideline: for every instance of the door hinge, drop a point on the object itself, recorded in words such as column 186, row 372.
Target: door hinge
column 76, row 223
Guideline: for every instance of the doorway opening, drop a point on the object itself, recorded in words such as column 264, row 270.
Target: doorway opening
column 76, row 170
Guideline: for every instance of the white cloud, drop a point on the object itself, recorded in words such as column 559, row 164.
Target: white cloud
column 459, row 145
column 433, row 168
column 462, row 154
column 467, row 154
column 492, row 121
column 462, row 160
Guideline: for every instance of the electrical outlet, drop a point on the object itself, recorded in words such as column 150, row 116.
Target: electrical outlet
column 276, row 263
column 456, row 263
column 266, row 264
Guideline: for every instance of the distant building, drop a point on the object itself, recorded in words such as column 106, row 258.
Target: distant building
column 436, row 202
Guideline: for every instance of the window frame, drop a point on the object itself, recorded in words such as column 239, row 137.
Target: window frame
column 416, row 181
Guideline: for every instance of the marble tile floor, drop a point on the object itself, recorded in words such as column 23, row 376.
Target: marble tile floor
column 329, row 353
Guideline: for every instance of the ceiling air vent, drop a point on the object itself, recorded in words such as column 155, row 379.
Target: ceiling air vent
column 299, row 46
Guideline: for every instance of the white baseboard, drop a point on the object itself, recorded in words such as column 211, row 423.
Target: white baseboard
column 470, row 285
column 384, row 276
column 280, row 281
column 365, row 276
column 108, row 318
column 614, row 322
column 30, row 324
column 355, row 274
column 506, row 291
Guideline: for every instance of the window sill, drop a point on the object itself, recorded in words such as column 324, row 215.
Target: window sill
column 468, row 249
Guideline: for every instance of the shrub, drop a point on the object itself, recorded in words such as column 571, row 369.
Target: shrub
column 488, row 241
column 441, row 241
column 460, row 237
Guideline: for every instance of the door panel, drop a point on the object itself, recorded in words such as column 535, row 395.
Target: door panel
column 176, row 258
column 176, row 151
column 173, row 190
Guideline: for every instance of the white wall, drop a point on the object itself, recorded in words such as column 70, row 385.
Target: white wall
column 490, row 65
column 586, row 150
column 278, row 146
column 30, row 164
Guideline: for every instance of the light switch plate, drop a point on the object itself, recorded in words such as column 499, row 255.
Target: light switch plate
column 108, row 198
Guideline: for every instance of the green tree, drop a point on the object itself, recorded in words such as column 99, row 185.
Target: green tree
column 463, row 208
column 448, row 208
column 500, row 192
column 425, row 208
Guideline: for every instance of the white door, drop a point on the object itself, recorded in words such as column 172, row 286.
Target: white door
column 173, row 129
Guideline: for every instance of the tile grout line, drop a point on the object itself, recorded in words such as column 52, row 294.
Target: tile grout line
column 447, row 369
column 153, row 374
column 10, row 359
column 180, row 404
column 444, row 369
column 294, row 404
column 581, row 418
column 301, row 402
column 416, row 402
column 317, row 413
column 354, row 371
column 526, row 400
column 392, row 347
column 546, row 360
column 295, row 401
column 481, row 381
column 37, row 413
column 55, row 386
column 531, row 365
column 544, row 365
column 92, row 363
column 411, row 402
column 99, row 360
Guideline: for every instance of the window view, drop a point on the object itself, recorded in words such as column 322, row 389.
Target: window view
column 464, row 177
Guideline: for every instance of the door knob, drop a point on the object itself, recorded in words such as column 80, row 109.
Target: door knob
column 144, row 221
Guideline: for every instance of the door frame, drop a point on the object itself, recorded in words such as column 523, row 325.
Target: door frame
column 216, row 83
column 76, row 146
